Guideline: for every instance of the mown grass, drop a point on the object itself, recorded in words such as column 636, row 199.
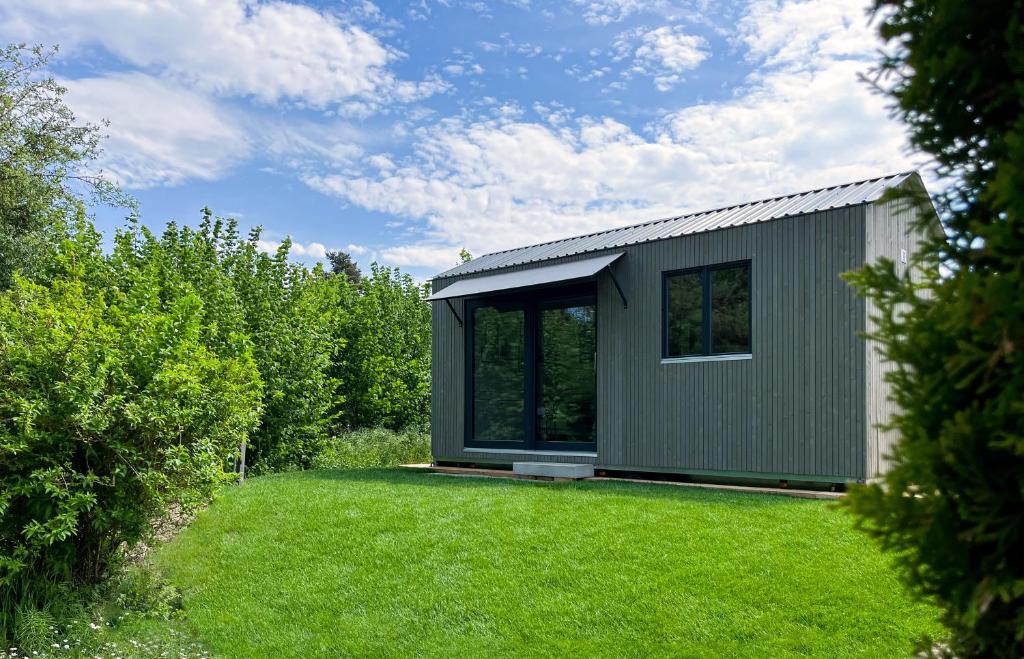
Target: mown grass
column 395, row 563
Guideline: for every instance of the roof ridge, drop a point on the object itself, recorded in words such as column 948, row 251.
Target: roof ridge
column 694, row 214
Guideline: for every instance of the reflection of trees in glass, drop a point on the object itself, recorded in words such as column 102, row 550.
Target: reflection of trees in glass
column 685, row 315
column 730, row 310
column 498, row 374
column 728, row 315
column 568, row 379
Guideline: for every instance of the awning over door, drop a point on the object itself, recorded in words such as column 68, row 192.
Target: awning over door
column 547, row 274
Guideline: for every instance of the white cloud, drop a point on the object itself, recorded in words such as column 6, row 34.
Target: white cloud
column 673, row 49
column 272, row 51
column 311, row 250
column 501, row 183
column 438, row 257
column 603, row 12
column 719, row 15
column 358, row 250
column 461, row 63
column 171, row 119
column 302, row 145
column 806, row 34
column 801, row 121
column 159, row 133
column 663, row 53
column 509, row 45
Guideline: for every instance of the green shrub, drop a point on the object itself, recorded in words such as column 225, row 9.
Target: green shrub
column 374, row 447
column 111, row 407
column 382, row 332
column 277, row 305
column 330, row 352
column 951, row 506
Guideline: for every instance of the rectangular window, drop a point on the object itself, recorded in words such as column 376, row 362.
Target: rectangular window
column 707, row 311
column 730, row 310
column 684, row 319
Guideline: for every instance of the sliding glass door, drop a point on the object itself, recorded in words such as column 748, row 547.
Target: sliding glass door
column 499, row 374
column 531, row 372
column 566, row 377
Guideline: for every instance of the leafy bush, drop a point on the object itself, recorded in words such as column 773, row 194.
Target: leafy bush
column 375, row 447
column 111, row 406
column 382, row 331
column 129, row 379
column 332, row 353
column 282, row 308
column 951, row 507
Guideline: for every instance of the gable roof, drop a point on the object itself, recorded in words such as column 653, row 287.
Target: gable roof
column 837, row 196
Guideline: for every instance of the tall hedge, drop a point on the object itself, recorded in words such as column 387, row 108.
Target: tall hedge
column 952, row 506
column 382, row 366
column 112, row 405
column 129, row 377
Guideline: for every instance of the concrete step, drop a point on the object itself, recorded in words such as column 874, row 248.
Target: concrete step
column 553, row 469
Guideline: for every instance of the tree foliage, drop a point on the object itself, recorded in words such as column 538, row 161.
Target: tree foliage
column 128, row 380
column 382, row 333
column 130, row 377
column 113, row 403
column 278, row 305
column 332, row 354
column 45, row 160
column 952, row 504
column 341, row 263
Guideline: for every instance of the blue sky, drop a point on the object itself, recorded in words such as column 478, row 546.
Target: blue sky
column 402, row 132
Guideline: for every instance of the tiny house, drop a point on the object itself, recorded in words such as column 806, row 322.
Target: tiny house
column 715, row 344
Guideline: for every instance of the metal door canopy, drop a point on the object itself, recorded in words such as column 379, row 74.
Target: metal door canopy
column 540, row 276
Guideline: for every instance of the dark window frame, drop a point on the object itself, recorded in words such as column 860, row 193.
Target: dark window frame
column 706, row 312
column 531, row 302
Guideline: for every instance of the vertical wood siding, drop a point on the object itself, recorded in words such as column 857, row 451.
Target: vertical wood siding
column 889, row 227
column 797, row 408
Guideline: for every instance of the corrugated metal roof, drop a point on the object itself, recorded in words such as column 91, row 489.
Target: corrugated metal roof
column 548, row 274
column 838, row 196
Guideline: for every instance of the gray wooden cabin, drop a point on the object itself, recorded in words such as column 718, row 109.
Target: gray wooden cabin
column 716, row 344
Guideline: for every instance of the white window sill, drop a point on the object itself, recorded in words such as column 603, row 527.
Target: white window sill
column 707, row 358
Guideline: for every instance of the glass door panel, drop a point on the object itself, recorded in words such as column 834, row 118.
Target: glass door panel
column 499, row 375
column 567, row 377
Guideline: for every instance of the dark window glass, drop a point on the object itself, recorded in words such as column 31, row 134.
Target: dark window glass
column 568, row 379
column 684, row 320
column 499, row 381
column 707, row 311
column 730, row 310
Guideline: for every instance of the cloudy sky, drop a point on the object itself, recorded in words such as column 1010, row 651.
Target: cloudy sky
column 401, row 132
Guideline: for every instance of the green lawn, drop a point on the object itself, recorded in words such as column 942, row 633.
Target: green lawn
column 395, row 563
